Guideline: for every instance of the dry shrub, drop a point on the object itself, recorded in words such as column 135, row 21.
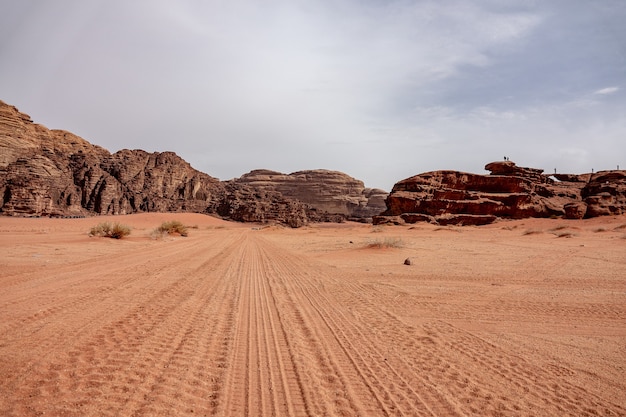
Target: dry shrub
column 561, row 227
column 106, row 229
column 620, row 227
column 532, row 232
column 599, row 230
column 171, row 228
column 565, row 234
column 388, row 242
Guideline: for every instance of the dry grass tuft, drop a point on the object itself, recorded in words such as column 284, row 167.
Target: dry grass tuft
column 171, row 228
column 106, row 229
column 565, row 234
column 532, row 232
column 388, row 242
column 561, row 227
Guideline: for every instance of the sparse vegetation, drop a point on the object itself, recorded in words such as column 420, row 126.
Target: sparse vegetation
column 388, row 242
column 112, row 230
column 565, row 234
column 560, row 227
column 599, row 230
column 532, row 232
column 621, row 226
column 171, row 228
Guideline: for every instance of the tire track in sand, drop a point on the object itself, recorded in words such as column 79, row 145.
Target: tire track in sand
column 166, row 352
column 261, row 363
column 346, row 354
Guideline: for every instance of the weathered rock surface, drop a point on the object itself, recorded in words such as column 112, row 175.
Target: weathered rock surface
column 452, row 197
column 55, row 173
column 325, row 192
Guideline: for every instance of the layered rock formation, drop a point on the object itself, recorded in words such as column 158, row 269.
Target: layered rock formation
column 52, row 172
column 326, row 192
column 452, row 197
column 55, row 173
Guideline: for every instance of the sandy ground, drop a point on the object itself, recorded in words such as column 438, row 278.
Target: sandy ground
column 520, row 317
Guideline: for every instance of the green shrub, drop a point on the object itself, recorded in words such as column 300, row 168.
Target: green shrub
column 172, row 227
column 106, row 229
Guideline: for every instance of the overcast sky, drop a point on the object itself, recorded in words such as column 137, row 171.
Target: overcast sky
column 381, row 90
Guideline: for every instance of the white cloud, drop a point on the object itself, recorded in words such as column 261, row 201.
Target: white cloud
column 608, row 90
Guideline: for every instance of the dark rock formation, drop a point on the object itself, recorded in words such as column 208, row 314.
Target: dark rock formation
column 245, row 204
column 452, row 197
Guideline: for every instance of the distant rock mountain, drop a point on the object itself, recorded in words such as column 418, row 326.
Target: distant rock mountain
column 452, row 197
column 56, row 173
column 325, row 191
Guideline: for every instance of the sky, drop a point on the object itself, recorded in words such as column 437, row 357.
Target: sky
column 380, row 90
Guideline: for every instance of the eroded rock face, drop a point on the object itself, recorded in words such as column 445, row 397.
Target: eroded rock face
column 55, row 173
column 452, row 197
column 328, row 193
column 52, row 172
column 605, row 193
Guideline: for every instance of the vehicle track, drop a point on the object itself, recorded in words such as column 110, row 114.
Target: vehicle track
column 235, row 324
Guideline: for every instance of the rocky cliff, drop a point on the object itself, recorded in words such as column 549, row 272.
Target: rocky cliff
column 452, row 197
column 55, row 173
column 326, row 192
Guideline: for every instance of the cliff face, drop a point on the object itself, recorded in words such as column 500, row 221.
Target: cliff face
column 326, row 192
column 452, row 197
column 55, row 173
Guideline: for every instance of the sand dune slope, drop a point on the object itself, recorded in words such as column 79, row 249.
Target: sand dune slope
column 235, row 320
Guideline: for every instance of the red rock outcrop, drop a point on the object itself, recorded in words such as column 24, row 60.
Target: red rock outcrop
column 605, row 193
column 452, row 197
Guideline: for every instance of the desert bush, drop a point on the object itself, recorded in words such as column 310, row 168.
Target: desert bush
column 532, row 232
column 172, row 227
column 106, row 229
column 560, row 227
column 388, row 242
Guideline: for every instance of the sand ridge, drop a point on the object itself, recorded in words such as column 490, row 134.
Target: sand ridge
column 519, row 317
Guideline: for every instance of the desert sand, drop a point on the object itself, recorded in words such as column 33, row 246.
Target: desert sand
column 524, row 317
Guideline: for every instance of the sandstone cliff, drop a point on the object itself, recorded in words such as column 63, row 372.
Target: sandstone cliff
column 52, row 172
column 55, row 173
column 452, row 197
column 326, row 192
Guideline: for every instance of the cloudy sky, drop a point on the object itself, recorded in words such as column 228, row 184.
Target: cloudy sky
column 381, row 90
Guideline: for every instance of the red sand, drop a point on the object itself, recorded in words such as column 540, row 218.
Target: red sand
column 522, row 317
